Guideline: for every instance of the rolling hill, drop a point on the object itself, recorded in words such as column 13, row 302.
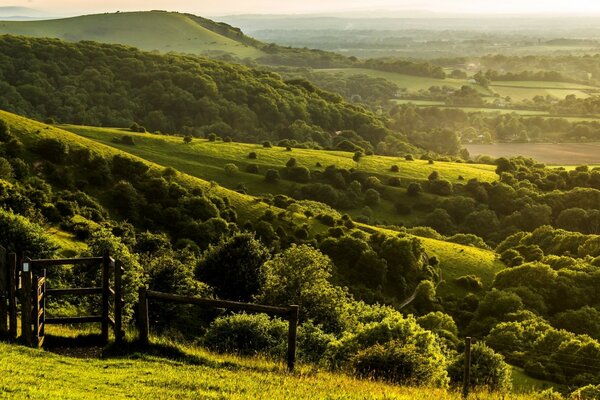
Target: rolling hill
column 455, row 260
column 154, row 30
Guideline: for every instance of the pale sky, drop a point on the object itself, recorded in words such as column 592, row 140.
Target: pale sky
column 223, row 7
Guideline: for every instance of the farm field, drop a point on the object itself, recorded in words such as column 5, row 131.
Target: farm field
column 551, row 153
column 442, row 105
column 149, row 31
column 410, row 82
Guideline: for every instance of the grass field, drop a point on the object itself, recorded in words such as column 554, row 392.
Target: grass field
column 551, row 153
column 201, row 155
column 169, row 371
column 149, row 31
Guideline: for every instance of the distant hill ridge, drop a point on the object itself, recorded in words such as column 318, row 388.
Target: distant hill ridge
column 149, row 30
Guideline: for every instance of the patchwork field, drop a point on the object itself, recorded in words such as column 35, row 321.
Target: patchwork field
column 551, row 153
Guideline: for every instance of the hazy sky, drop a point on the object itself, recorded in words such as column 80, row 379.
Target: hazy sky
column 222, row 7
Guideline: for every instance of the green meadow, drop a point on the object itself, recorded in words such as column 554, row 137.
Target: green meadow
column 162, row 31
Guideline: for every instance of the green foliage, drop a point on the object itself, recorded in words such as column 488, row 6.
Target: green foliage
column 272, row 176
column 395, row 349
column 233, row 267
column 488, row 370
column 18, row 234
column 133, row 277
column 300, row 275
column 247, row 334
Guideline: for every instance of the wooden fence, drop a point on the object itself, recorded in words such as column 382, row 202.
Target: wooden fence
column 290, row 313
column 34, row 295
column 8, row 294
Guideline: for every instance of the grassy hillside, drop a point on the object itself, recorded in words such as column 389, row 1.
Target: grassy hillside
column 170, row 150
column 204, row 159
column 185, row 372
column 156, row 30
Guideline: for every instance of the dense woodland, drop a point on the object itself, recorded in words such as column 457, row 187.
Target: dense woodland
column 109, row 85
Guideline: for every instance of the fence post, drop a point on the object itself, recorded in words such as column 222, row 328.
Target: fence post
column 293, row 326
column 12, row 296
column 143, row 319
column 3, row 292
column 467, row 372
column 105, row 295
column 26, row 303
column 119, row 302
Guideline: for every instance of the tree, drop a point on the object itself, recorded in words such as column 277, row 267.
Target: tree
column 414, row 189
column 233, row 267
column 272, row 176
column 291, row 163
column 300, row 275
column 230, row 169
column 372, row 197
column 357, row 157
column 187, row 139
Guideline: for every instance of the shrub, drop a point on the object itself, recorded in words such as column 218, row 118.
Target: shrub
column 414, row 189
column 291, row 163
column 228, row 139
column 128, row 140
column 230, row 169
column 433, row 176
column 212, row 137
column 252, row 168
column 298, row 174
column 187, row 139
column 267, row 144
column 312, row 342
column 394, row 181
column 488, row 369
column 440, row 187
column 6, row 170
column 288, row 148
column 252, row 155
column 398, row 363
column 395, row 348
column 272, row 176
column 394, row 168
column 409, row 157
column 469, row 282
column 18, row 234
column 53, row 150
column 5, row 134
column 247, row 334
column 372, row 197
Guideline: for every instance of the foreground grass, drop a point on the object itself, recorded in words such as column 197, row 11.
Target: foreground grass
column 171, row 372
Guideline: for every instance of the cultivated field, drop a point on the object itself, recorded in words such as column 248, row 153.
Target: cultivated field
column 551, row 153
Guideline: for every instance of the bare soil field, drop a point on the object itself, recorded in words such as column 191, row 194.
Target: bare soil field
column 551, row 153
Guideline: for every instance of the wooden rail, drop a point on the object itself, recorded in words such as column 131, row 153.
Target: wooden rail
column 33, row 306
column 291, row 313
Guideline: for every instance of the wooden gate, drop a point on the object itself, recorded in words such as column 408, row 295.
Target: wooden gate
column 35, row 294
column 39, row 311
column 8, row 294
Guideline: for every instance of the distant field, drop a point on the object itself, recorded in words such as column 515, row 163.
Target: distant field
column 441, row 104
column 528, row 93
column 410, row 82
column 148, row 31
column 551, row 153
